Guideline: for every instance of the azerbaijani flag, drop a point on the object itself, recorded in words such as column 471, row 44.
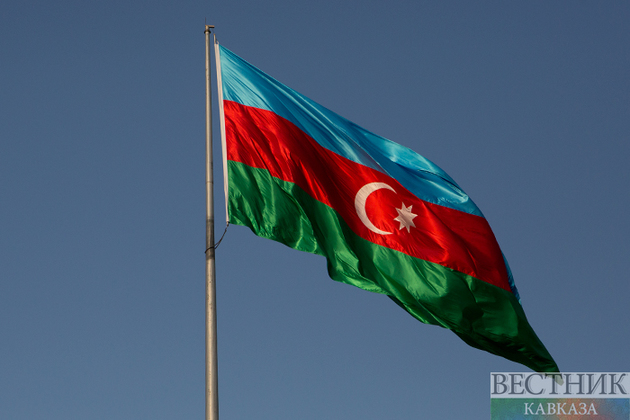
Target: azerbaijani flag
column 386, row 219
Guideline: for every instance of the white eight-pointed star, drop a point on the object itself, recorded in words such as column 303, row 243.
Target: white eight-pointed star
column 405, row 217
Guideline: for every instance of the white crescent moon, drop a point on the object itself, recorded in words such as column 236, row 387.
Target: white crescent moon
column 359, row 204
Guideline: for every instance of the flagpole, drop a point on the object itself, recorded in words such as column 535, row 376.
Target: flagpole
column 212, row 383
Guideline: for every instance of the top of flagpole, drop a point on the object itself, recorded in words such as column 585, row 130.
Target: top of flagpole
column 208, row 27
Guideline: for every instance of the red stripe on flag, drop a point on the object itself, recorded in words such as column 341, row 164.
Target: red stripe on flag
column 451, row 238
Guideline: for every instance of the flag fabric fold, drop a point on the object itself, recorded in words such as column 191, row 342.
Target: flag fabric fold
column 387, row 219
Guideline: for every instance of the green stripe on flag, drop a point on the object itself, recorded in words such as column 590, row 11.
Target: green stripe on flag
column 483, row 315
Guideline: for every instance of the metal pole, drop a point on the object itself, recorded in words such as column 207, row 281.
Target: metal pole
column 212, row 383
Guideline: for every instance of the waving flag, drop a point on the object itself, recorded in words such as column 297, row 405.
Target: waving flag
column 386, row 219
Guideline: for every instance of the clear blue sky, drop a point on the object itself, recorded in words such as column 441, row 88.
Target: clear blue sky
column 525, row 104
